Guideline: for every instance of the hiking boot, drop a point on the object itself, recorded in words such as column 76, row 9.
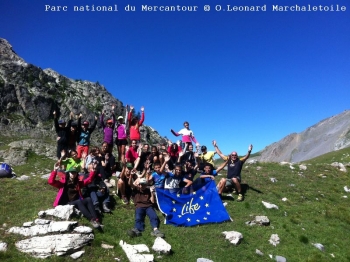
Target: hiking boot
column 125, row 201
column 157, row 233
column 134, row 232
column 97, row 209
column 95, row 223
column 240, row 198
column 105, row 208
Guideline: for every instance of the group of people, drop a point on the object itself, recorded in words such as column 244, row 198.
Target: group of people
column 82, row 173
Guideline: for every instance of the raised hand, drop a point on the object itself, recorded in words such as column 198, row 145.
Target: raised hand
column 131, row 107
column 250, row 148
column 214, row 143
column 142, row 109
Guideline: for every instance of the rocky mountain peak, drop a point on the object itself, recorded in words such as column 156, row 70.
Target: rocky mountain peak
column 7, row 53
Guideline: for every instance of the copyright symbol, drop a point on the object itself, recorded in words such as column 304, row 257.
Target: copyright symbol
column 207, row 8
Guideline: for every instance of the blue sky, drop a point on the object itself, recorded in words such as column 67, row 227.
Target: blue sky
column 237, row 77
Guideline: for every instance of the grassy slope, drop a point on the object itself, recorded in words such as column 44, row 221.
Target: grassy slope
column 315, row 212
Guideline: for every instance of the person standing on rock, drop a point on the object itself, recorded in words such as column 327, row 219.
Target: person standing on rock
column 135, row 123
column 62, row 131
column 234, row 168
column 84, row 134
column 108, row 129
column 187, row 134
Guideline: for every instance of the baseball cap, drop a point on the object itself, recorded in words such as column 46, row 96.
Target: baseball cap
column 110, row 121
column 203, row 148
column 85, row 123
column 120, row 117
column 129, row 165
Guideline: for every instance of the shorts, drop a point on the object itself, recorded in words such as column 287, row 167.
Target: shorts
column 229, row 182
column 121, row 142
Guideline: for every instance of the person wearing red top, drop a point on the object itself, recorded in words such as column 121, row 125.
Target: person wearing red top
column 135, row 123
column 132, row 154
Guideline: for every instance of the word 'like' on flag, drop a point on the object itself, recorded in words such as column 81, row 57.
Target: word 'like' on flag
column 192, row 208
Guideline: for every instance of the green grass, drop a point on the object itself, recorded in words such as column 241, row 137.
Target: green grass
column 315, row 212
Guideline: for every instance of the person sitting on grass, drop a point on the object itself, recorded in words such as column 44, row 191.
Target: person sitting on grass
column 70, row 192
column 124, row 190
column 234, row 169
column 144, row 206
column 73, row 161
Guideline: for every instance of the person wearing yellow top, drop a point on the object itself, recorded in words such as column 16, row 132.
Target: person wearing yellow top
column 207, row 156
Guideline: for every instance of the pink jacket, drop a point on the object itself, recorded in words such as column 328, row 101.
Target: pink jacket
column 60, row 184
column 134, row 130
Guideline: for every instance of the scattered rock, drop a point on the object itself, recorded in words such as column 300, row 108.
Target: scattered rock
column 133, row 252
column 262, row 220
column 347, row 190
column 319, row 246
column 39, row 221
column 258, row 168
column 62, row 212
column 3, row 247
column 302, row 167
column 273, row 180
column 284, row 163
column 46, row 176
column 204, row 260
column 45, row 246
column 233, row 236
column 23, row 178
column 274, row 239
column 83, row 230
column 291, row 167
column 269, row 206
column 257, row 251
column 281, row 259
column 284, row 199
column 27, row 224
column 78, row 254
column 53, row 227
column 105, row 246
column 161, row 246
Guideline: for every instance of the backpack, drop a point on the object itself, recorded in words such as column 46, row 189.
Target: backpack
column 5, row 170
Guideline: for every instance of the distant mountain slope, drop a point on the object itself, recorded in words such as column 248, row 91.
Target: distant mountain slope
column 29, row 95
column 328, row 135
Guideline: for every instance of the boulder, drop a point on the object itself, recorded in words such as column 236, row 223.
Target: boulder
column 45, row 246
column 233, row 236
column 161, row 246
column 63, row 212
column 134, row 252
column 53, row 227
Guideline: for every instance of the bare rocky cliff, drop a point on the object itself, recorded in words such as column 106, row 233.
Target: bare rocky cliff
column 29, row 95
column 328, row 135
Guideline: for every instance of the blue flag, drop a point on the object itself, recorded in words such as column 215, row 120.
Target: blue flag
column 192, row 208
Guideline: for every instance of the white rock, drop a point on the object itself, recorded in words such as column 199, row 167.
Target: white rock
column 39, row 221
column 258, row 168
column 3, row 247
column 284, row 163
column 262, row 220
column 257, row 251
column 105, row 246
column 252, row 161
column 319, row 246
column 61, row 211
column 45, row 246
column 291, row 167
column 280, row 259
column 78, row 254
column 345, row 196
column 23, row 178
column 83, row 230
column 133, row 252
column 27, row 224
column 161, row 246
column 273, row 180
column 46, row 176
column 233, row 236
column 53, row 227
column 268, row 205
column 284, row 199
column 201, row 259
column 347, row 190
column 274, row 239
column 302, row 167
